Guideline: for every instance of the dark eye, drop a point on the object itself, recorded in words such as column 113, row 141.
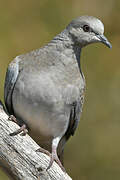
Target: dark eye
column 86, row 28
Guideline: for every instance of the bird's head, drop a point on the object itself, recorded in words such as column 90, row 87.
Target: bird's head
column 85, row 30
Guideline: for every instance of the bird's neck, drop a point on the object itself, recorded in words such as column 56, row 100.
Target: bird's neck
column 64, row 44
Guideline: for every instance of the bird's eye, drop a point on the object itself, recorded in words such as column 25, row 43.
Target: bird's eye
column 86, row 28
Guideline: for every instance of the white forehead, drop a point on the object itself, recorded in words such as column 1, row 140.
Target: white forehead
column 93, row 22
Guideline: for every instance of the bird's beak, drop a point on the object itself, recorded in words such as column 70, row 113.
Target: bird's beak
column 104, row 40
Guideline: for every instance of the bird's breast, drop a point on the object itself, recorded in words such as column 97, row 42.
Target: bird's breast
column 44, row 103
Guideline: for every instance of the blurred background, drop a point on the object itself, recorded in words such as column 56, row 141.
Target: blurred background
column 94, row 151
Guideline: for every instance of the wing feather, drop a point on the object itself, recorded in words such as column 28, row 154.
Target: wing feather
column 10, row 80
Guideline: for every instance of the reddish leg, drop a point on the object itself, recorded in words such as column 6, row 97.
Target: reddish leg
column 54, row 156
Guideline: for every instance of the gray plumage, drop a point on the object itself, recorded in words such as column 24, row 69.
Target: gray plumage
column 45, row 88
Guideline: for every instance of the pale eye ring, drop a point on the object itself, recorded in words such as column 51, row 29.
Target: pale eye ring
column 86, row 28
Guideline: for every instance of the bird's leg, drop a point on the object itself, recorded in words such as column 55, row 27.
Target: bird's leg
column 21, row 129
column 54, row 156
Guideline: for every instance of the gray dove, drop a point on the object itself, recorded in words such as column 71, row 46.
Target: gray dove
column 44, row 89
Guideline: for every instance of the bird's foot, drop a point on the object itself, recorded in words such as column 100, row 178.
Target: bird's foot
column 53, row 158
column 12, row 118
column 21, row 129
column 43, row 151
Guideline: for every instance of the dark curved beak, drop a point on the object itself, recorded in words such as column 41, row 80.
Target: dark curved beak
column 104, row 40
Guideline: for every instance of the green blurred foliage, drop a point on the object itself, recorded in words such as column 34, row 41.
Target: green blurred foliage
column 94, row 152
